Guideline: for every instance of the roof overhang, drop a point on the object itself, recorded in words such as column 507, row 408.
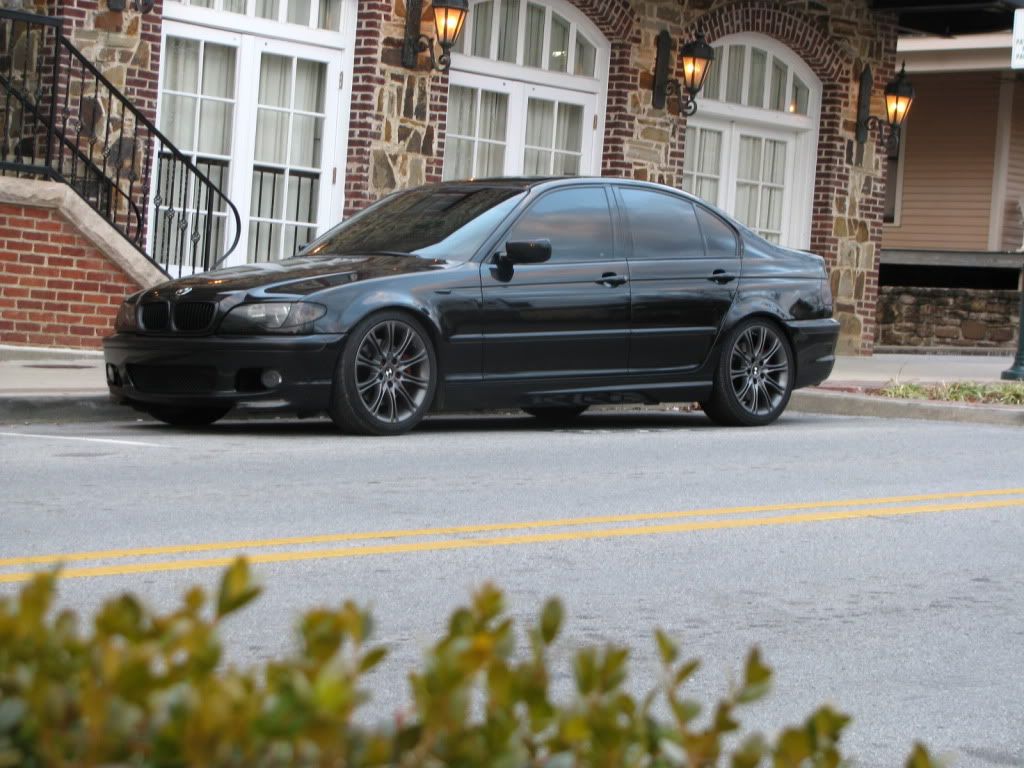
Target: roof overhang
column 963, row 53
column 950, row 17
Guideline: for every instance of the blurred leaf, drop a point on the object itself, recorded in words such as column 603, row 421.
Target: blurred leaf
column 372, row 658
column 236, row 588
column 551, row 620
column 666, row 648
column 757, row 678
column 921, row 758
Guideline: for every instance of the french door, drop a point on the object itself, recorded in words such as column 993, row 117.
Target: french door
column 260, row 116
column 504, row 127
column 746, row 170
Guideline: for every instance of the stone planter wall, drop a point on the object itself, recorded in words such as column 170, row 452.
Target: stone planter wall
column 947, row 317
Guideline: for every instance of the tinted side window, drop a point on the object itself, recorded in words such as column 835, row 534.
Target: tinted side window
column 576, row 221
column 662, row 226
column 720, row 239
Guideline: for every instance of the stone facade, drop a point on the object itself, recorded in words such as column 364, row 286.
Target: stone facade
column 398, row 116
column 948, row 317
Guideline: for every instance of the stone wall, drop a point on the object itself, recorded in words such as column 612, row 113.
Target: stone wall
column 398, row 116
column 947, row 317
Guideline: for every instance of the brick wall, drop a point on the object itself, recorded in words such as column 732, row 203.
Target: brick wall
column 56, row 288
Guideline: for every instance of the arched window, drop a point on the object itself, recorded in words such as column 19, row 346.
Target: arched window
column 527, row 92
column 751, row 147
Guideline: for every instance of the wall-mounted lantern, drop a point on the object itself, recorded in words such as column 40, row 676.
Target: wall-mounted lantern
column 449, row 18
column 899, row 95
column 696, row 57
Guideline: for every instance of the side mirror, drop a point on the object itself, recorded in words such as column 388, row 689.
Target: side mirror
column 528, row 251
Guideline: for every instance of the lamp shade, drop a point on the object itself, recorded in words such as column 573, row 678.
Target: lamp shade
column 696, row 57
column 449, row 17
column 899, row 95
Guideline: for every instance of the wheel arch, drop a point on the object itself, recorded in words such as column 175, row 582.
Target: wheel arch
column 761, row 308
column 356, row 312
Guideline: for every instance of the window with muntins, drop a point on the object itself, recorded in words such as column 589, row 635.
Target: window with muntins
column 528, row 34
column 316, row 14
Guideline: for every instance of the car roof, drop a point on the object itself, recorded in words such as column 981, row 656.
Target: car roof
column 530, row 182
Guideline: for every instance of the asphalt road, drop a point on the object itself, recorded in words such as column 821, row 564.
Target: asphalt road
column 907, row 613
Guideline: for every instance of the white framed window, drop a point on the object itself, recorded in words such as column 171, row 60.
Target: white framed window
column 528, row 86
column 263, row 115
column 751, row 148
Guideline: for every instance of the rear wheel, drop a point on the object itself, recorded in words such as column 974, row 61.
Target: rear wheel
column 386, row 378
column 187, row 417
column 754, row 376
column 556, row 414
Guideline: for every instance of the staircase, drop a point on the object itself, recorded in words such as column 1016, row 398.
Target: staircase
column 61, row 119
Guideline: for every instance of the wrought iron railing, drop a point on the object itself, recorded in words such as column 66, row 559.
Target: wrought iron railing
column 61, row 119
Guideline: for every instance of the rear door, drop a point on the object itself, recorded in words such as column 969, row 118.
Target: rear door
column 684, row 268
column 567, row 317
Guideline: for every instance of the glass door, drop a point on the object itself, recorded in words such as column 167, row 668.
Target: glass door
column 260, row 117
column 288, row 155
column 198, row 115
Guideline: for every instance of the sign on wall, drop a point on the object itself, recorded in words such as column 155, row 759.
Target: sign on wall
column 1017, row 54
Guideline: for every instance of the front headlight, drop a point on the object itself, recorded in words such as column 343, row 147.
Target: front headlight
column 127, row 320
column 272, row 317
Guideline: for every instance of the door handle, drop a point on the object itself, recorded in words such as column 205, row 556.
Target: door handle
column 722, row 277
column 612, row 280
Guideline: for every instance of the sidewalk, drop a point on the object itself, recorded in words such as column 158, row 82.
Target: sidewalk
column 68, row 385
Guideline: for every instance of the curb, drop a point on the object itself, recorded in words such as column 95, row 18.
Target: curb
column 62, row 408
column 89, row 408
column 849, row 404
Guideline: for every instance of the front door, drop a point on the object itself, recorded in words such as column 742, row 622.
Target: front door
column 568, row 317
column 260, row 117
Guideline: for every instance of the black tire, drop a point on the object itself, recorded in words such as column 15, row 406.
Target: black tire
column 556, row 414
column 753, row 377
column 386, row 377
column 177, row 416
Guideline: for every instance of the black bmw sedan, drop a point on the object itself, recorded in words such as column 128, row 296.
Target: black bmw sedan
column 543, row 294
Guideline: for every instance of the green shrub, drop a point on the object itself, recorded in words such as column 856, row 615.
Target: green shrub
column 145, row 689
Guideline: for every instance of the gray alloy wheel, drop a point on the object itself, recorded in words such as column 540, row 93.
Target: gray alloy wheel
column 386, row 378
column 754, row 376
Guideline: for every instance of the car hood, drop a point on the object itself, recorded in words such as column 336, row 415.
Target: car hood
column 300, row 276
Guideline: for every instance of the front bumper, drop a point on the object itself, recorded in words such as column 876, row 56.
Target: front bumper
column 222, row 370
column 814, row 342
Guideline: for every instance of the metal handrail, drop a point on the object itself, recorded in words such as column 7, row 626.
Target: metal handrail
column 72, row 108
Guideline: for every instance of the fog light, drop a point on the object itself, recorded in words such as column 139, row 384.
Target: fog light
column 113, row 377
column 271, row 378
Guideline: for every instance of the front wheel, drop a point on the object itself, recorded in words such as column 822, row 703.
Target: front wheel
column 187, row 417
column 386, row 377
column 753, row 377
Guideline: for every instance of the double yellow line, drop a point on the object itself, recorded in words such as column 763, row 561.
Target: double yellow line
column 474, row 536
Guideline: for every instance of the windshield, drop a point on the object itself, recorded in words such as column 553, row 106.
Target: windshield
column 448, row 222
